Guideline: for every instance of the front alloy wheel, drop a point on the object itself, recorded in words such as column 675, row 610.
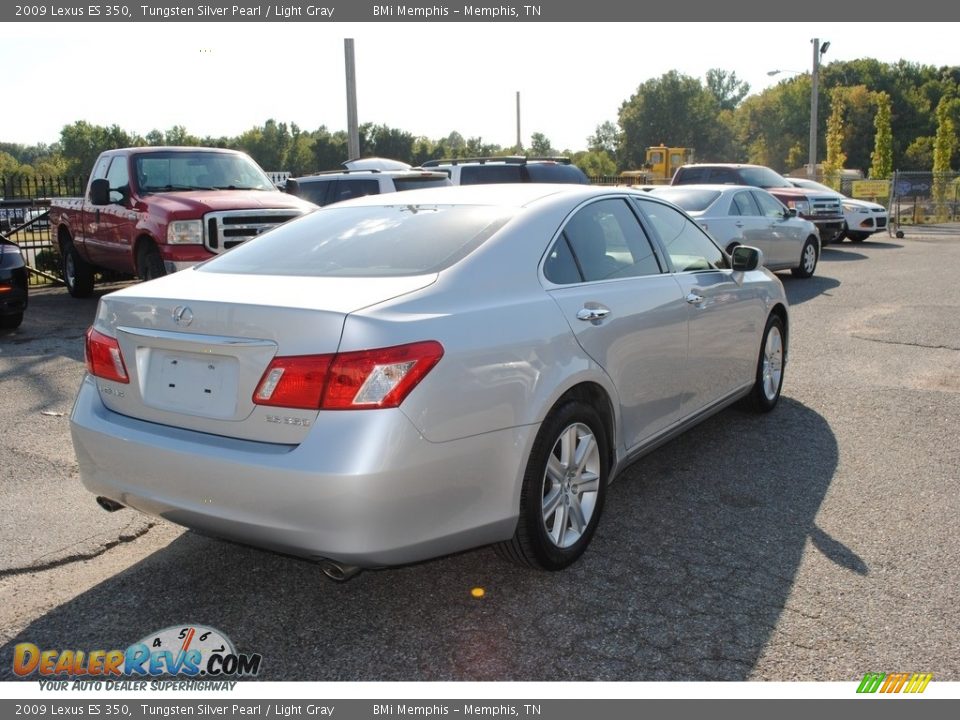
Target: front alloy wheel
column 808, row 260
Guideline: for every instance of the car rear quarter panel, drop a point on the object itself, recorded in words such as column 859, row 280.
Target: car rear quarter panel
column 509, row 354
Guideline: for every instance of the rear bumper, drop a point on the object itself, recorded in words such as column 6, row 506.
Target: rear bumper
column 364, row 487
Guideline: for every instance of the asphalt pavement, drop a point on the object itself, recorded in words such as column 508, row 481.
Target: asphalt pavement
column 815, row 543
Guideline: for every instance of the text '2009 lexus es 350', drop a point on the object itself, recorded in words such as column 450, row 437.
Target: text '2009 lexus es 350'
column 393, row 379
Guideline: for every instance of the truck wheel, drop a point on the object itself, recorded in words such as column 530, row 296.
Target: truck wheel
column 150, row 263
column 9, row 322
column 77, row 272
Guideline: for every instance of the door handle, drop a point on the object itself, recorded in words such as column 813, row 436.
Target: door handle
column 590, row 314
column 694, row 299
column 738, row 224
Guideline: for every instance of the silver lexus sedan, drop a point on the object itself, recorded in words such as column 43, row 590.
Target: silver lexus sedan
column 396, row 378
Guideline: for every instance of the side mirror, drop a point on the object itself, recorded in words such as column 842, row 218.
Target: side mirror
column 100, row 192
column 746, row 258
column 292, row 187
column 791, row 212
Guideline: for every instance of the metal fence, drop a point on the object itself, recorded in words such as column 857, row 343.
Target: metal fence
column 924, row 203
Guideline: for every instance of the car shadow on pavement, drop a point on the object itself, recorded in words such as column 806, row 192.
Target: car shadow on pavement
column 832, row 253
column 690, row 571
column 800, row 290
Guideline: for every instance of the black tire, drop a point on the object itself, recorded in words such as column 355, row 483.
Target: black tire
column 10, row 322
column 149, row 263
column 809, row 256
column 770, row 368
column 845, row 233
column 858, row 237
column 77, row 272
column 560, row 511
column 731, row 246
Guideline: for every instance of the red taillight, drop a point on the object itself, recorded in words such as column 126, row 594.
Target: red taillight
column 365, row 379
column 294, row 382
column 104, row 359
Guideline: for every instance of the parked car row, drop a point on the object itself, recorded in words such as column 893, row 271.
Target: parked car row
column 374, row 176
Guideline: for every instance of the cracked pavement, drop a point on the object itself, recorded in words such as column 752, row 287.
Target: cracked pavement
column 815, row 543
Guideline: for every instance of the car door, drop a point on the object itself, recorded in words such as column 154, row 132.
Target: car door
column 725, row 316
column 754, row 227
column 785, row 236
column 118, row 220
column 627, row 312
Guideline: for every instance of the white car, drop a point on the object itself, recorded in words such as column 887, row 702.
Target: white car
column 861, row 218
column 745, row 215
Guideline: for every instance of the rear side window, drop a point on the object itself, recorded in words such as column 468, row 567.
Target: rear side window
column 315, row 191
column 605, row 241
column 689, row 248
column 346, row 189
column 490, row 173
column 743, row 204
column 555, row 173
column 377, row 241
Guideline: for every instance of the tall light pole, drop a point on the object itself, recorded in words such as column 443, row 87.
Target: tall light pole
column 353, row 131
column 818, row 51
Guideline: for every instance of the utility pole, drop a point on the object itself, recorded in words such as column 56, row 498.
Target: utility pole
column 818, row 50
column 353, row 128
column 519, row 141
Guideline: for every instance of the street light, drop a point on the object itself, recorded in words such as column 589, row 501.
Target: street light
column 818, row 51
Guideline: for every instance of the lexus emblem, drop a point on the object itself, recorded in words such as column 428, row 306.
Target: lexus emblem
column 182, row 315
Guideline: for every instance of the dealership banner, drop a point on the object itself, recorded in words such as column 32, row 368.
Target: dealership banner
column 553, row 709
column 544, row 11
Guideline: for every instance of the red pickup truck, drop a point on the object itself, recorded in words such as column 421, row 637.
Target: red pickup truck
column 150, row 211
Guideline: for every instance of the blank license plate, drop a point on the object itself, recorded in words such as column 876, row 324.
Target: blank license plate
column 192, row 383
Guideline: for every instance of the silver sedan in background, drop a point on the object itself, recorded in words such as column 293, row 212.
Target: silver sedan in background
column 399, row 377
column 741, row 215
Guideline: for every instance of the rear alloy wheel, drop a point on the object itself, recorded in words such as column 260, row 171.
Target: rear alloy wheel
column 563, row 490
column 770, row 366
column 808, row 259
column 77, row 272
column 150, row 263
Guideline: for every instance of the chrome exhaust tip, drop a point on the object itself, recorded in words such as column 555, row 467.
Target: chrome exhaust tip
column 108, row 504
column 338, row 571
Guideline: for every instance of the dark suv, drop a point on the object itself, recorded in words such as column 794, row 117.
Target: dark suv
column 822, row 209
column 510, row 169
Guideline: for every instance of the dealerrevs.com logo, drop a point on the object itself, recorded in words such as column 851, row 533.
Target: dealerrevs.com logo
column 889, row 683
column 184, row 651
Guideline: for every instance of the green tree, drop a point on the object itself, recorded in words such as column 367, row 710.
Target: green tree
column 674, row 110
column 606, row 138
column 881, row 159
column 944, row 145
column 595, row 163
column 836, row 158
column 726, row 88
column 540, row 146
column 82, row 143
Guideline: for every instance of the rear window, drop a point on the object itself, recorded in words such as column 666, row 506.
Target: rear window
column 415, row 183
column 689, row 199
column 763, row 177
column 376, row 241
